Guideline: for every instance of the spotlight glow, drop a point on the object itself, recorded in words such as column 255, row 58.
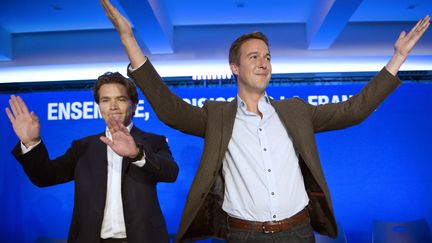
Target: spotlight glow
column 203, row 69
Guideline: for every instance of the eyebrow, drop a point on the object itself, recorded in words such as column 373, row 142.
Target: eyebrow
column 255, row 52
column 116, row 97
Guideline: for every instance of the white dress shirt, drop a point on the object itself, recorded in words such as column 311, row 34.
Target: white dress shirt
column 263, row 180
column 113, row 225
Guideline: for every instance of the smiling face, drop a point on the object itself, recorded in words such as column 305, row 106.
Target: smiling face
column 115, row 102
column 253, row 70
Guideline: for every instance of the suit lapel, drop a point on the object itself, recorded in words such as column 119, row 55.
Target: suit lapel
column 99, row 168
column 289, row 118
column 228, row 118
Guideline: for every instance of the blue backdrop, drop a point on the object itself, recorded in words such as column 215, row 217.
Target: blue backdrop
column 376, row 170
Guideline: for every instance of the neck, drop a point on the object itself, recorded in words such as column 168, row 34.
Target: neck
column 251, row 100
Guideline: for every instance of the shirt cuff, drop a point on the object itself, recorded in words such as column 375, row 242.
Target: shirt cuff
column 133, row 69
column 25, row 150
column 140, row 163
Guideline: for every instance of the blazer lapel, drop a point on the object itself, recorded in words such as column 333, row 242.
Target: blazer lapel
column 228, row 117
column 290, row 119
column 99, row 168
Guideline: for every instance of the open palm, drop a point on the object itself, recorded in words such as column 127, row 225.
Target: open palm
column 122, row 142
column 25, row 124
column 406, row 42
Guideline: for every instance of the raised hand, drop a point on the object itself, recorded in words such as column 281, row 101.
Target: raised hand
column 405, row 43
column 25, row 124
column 122, row 142
column 119, row 21
column 127, row 37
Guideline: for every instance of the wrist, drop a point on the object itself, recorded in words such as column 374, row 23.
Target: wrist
column 395, row 63
column 139, row 154
column 31, row 142
column 128, row 39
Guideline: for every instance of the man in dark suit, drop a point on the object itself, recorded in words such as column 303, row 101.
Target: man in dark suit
column 115, row 172
column 260, row 177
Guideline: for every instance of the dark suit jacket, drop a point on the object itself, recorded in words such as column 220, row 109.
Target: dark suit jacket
column 85, row 162
column 203, row 215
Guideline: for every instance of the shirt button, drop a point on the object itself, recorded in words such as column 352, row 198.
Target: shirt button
column 269, row 170
column 260, row 129
column 274, row 216
column 265, row 149
column 272, row 193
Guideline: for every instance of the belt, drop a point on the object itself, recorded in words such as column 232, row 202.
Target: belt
column 268, row 226
column 114, row 240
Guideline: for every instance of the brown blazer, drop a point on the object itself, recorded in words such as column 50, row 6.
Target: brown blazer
column 203, row 216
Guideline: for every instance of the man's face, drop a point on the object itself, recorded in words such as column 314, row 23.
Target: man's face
column 254, row 70
column 115, row 102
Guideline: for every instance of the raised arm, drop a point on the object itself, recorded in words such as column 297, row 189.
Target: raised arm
column 127, row 37
column 25, row 124
column 359, row 107
column 169, row 108
column 36, row 162
column 405, row 43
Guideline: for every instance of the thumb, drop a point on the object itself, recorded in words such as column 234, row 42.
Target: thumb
column 106, row 141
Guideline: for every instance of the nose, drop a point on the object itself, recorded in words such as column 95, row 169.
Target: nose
column 113, row 105
column 263, row 63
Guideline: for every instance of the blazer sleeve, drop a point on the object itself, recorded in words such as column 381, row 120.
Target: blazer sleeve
column 169, row 108
column 41, row 170
column 358, row 107
column 160, row 164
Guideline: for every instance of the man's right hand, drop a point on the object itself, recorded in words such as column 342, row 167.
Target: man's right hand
column 25, row 124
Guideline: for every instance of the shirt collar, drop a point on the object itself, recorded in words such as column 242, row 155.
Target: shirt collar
column 263, row 100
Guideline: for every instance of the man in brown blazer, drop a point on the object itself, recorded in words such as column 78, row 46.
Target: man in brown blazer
column 260, row 177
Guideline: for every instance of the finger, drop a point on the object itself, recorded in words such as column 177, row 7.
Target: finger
column 110, row 124
column 109, row 9
column 13, row 105
column 419, row 32
column 414, row 29
column 9, row 114
column 402, row 35
column 34, row 117
column 420, row 26
column 106, row 141
column 22, row 105
column 18, row 104
column 423, row 28
column 105, row 7
column 122, row 127
column 114, row 124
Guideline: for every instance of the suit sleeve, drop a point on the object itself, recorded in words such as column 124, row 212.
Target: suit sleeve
column 41, row 170
column 169, row 108
column 159, row 162
column 357, row 108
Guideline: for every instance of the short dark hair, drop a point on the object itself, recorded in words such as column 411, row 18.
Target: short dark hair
column 234, row 52
column 115, row 78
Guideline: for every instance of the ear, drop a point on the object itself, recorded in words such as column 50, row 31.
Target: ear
column 234, row 69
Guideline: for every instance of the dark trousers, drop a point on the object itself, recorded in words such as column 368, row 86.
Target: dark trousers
column 301, row 233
